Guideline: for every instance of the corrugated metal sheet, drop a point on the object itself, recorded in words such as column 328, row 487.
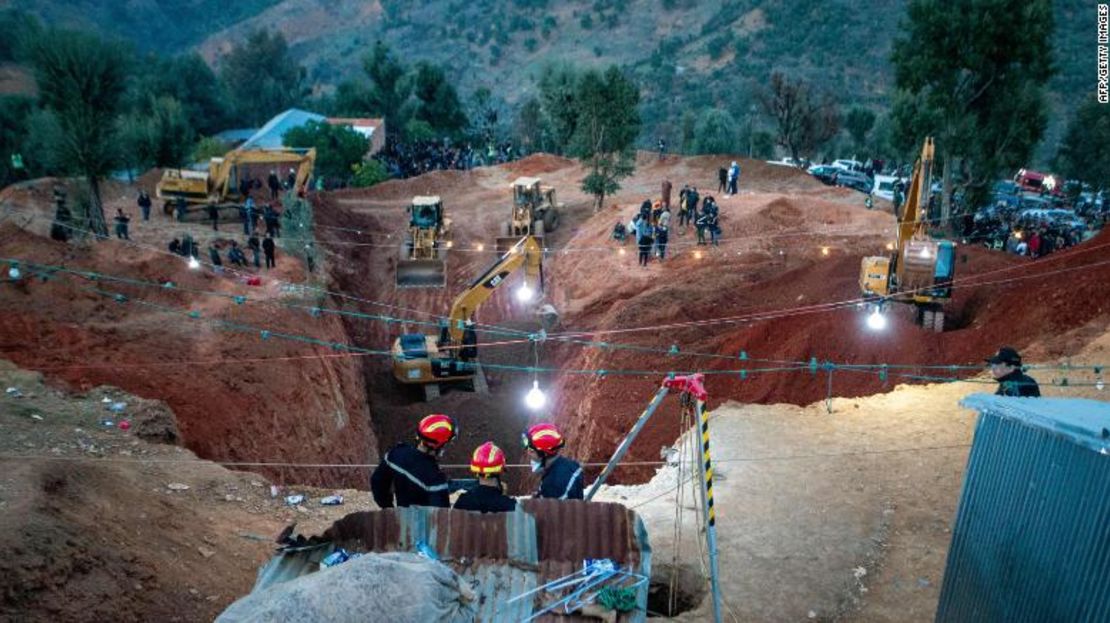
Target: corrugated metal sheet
column 1032, row 535
column 502, row 555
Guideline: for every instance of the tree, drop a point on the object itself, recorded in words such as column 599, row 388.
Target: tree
column 530, row 126
column 805, row 119
column 715, row 133
column 558, row 85
column 369, row 173
column 80, row 80
column 437, row 102
column 261, row 77
column 158, row 135
column 389, row 89
column 972, row 75
column 485, row 114
column 338, row 148
column 14, row 112
column 859, row 122
column 607, row 123
column 190, row 81
column 1085, row 152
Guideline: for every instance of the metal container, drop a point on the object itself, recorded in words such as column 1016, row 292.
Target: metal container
column 1031, row 540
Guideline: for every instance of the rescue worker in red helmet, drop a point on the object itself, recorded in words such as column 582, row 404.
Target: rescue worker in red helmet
column 411, row 473
column 487, row 462
column 562, row 477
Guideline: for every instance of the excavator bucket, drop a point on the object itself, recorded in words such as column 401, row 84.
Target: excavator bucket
column 504, row 243
column 421, row 274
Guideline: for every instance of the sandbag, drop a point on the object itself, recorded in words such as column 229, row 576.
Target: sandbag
column 398, row 587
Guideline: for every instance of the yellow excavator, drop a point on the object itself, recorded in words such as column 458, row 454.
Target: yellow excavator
column 220, row 184
column 919, row 270
column 423, row 263
column 534, row 212
column 428, row 360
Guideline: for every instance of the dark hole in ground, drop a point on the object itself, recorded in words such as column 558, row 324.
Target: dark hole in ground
column 674, row 590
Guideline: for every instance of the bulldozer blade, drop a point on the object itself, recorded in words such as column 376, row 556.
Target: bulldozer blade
column 422, row 274
column 504, row 243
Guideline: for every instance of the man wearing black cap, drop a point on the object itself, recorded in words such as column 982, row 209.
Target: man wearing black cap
column 1006, row 369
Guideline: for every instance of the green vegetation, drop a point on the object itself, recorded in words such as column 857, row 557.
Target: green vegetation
column 261, row 77
column 804, row 118
column 369, row 173
column 715, row 133
column 80, row 81
column 338, row 148
column 1085, row 152
column 972, row 73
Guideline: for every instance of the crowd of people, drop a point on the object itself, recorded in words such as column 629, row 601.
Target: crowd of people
column 651, row 226
column 404, row 160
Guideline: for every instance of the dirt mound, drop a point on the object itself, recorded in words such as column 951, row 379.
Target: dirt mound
column 434, row 183
column 147, row 181
column 236, row 397
column 538, row 164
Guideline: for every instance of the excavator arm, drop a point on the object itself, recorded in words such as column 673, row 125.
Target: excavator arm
column 527, row 254
column 220, row 169
column 911, row 221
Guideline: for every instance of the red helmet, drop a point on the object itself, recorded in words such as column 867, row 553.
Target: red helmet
column 544, row 438
column 436, row 430
column 487, row 460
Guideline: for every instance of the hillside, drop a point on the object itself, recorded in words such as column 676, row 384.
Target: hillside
column 687, row 54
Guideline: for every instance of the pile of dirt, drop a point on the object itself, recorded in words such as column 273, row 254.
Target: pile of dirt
column 97, row 524
column 236, row 396
column 442, row 183
column 538, row 164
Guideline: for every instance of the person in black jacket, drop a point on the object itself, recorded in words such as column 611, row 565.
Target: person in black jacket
column 562, row 477
column 487, row 462
column 411, row 474
column 274, row 184
column 1012, row 381
column 268, row 248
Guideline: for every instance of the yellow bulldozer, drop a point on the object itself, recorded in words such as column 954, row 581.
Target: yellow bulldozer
column 220, row 184
column 423, row 260
column 919, row 270
column 429, row 360
column 534, row 212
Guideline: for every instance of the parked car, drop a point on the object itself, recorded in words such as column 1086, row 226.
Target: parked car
column 1060, row 218
column 854, row 180
column 884, row 186
column 790, row 162
column 848, row 165
column 824, row 172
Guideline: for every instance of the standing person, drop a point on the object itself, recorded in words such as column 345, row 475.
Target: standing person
column 291, row 179
column 189, row 246
column 274, row 184
column 1035, row 244
column 683, row 210
column 712, row 221
column 644, row 233
column 214, row 216
column 1005, row 366
column 722, row 180
column 256, row 248
column 121, row 225
column 270, row 217
column 487, row 462
column 214, row 255
column 144, row 204
column 733, row 177
column 662, row 232
column 248, row 215
column 182, row 208
column 662, row 149
column 667, row 193
column 410, row 475
column 701, row 223
column 268, row 249
column 562, row 477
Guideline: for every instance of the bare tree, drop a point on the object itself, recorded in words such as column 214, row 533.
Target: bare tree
column 805, row 119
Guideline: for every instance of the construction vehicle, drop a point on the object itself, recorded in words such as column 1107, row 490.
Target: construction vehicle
column 220, row 184
column 429, row 360
column 424, row 251
column 919, row 270
column 534, row 212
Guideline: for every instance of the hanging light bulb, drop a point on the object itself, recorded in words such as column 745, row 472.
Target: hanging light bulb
column 13, row 272
column 1099, row 385
column 450, row 244
column 824, row 250
column 620, row 251
column 524, row 293
column 193, row 263
column 481, row 247
column 535, row 398
column 876, row 321
column 890, row 246
column 697, row 255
